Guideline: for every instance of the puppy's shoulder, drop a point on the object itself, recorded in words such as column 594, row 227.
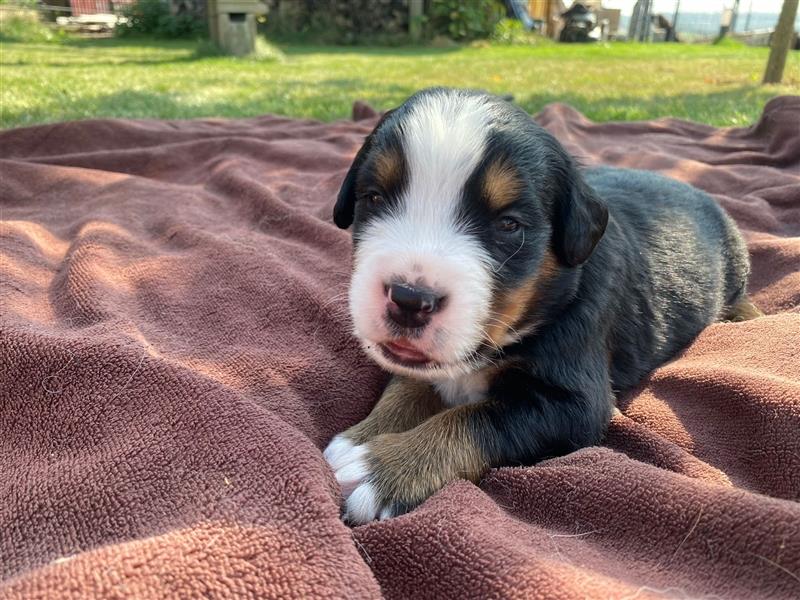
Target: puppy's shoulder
column 632, row 183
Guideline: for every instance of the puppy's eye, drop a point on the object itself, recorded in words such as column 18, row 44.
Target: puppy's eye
column 374, row 198
column 507, row 224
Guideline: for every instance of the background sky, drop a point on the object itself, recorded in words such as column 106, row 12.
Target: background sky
column 668, row 6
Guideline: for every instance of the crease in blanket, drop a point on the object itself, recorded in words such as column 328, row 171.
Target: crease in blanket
column 176, row 351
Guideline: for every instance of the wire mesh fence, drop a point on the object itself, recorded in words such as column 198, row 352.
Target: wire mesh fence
column 659, row 20
column 666, row 20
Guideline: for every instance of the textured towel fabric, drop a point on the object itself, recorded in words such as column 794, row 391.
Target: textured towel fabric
column 176, row 352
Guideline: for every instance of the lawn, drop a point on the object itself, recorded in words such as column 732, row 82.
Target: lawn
column 171, row 79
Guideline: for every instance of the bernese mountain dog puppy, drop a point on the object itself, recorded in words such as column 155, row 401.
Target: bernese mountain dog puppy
column 511, row 293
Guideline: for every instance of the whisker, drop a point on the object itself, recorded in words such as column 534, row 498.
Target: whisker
column 503, row 264
column 506, row 325
column 492, row 343
column 333, row 299
column 496, row 316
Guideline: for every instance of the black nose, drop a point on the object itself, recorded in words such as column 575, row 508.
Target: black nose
column 412, row 306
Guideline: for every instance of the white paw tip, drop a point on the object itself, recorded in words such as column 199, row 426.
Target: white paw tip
column 354, row 472
column 362, row 505
column 337, row 451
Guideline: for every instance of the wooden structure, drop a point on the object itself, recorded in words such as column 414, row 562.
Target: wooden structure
column 548, row 12
column 415, row 16
column 608, row 19
column 232, row 24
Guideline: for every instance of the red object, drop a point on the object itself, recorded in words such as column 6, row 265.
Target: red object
column 93, row 7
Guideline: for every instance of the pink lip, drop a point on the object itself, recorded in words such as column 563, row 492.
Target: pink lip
column 402, row 351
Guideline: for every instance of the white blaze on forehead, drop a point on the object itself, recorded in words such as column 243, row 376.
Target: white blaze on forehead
column 444, row 138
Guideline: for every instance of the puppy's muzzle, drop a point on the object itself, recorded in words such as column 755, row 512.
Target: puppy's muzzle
column 412, row 306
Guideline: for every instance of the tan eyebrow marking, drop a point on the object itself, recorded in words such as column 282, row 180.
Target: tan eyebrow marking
column 388, row 168
column 501, row 185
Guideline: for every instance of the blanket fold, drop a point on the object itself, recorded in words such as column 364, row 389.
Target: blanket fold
column 176, row 351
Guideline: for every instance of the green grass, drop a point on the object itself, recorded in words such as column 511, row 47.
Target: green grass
column 44, row 82
column 22, row 25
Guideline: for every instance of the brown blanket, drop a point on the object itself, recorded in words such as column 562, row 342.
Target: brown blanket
column 175, row 353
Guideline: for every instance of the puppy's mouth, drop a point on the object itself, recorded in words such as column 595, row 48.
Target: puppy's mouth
column 400, row 355
column 403, row 352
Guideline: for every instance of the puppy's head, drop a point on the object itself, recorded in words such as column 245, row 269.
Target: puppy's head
column 464, row 212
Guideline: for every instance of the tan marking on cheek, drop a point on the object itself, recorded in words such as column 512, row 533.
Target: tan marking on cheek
column 510, row 308
column 405, row 403
column 501, row 185
column 411, row 466
column 388, row 168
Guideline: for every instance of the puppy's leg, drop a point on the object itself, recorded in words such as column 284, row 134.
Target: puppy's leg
column 404, row 404
column 394, row 472
column 743, row 310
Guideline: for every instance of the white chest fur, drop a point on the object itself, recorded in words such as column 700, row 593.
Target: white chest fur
column 466, row 389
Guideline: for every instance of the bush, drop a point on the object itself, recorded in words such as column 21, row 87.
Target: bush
column 25, row 26
column 153, row 17
column 378, row 21
column 338, row 21
column 463, row 21
column 511, row 32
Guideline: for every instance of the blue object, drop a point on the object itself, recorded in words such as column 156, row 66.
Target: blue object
column 519, row 9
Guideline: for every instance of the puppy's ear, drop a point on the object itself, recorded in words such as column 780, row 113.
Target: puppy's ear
column 580, row 219
column 345, row 206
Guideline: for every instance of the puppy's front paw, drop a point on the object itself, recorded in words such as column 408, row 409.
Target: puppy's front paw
column 371, row 489
column 350, row 463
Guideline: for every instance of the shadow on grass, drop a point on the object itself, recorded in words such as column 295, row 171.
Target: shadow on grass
column 334, row 96
column 332, row 99
column 700, row 107
column 203, row 48
column 396, row 51
column 197, row 50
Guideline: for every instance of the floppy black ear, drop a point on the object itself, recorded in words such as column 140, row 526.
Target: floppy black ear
column 345, row 206
column 580, row 220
